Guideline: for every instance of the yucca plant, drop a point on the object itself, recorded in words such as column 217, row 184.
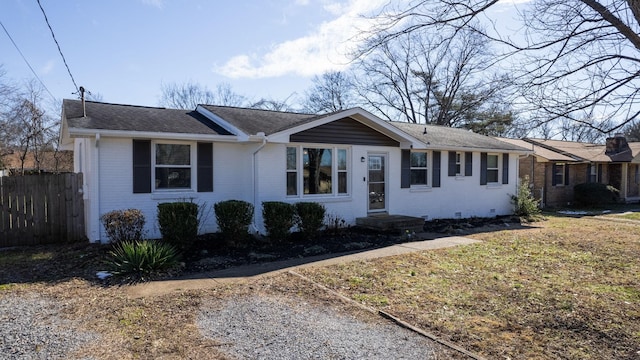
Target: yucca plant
column 142, row 258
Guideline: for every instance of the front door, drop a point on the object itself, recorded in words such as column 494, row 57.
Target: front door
column 377, row 184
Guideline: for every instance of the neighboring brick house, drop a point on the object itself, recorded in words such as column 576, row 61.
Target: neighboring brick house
column 556, row 166
column 48, row 162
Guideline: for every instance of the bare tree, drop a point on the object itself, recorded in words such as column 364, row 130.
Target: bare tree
column 189, row 94
column 27, row 127
column 273, row 104
column 434, row 78
column 574, row 58
column 333, row 91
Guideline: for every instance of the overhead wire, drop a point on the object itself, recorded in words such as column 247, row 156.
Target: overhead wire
column 58, row 45
column 26, row 61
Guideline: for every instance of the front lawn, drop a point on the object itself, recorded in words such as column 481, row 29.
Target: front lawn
column 564, row 288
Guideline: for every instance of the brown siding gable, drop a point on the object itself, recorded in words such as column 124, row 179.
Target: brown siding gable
column 344, row 131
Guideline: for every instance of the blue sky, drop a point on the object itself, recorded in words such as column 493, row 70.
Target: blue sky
column 125, row 49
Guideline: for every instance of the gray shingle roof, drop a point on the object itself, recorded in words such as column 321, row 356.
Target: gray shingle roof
column 253, row 121
column 104, row 116
column 448, row 137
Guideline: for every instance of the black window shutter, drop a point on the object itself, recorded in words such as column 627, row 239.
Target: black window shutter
column 599, row 173
column 553, row 174
column 505, row 168
column 405, row 169
column 452, row 163
column 435, row 180
column 483, row 168
column 205, row 167
column 566, row 174
column 468, row 164
column 141, row 166
column 589, row 172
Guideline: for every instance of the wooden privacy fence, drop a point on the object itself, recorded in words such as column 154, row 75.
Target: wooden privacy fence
column 41, row 209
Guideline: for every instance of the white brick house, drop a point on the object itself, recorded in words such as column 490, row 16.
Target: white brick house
column 351, row 161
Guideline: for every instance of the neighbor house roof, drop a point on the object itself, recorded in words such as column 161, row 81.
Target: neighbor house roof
column 455, row 138
column 116, row 117
column 539, row 151
column 577, row 150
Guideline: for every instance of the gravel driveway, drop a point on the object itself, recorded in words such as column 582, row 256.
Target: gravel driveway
column 248, row 327
column 31, row 328
column 277, row 328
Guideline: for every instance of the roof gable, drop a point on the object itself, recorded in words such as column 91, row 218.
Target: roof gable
column 254, row 121
column 344, row 131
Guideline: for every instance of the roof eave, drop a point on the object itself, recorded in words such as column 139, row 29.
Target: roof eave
column 82, row 132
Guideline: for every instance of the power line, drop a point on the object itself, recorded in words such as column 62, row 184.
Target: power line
column 58, row 45
column 26, row 61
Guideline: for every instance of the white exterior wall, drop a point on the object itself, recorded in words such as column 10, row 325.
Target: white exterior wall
column 457, row 196
column 231, row 180
column 461, row 196
column 111, row 162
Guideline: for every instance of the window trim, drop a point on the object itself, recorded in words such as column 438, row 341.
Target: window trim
column 563, row 173
column 192, row 165
column 459, row 169
column 335, row 171
column 427, row 168
column 497, row 169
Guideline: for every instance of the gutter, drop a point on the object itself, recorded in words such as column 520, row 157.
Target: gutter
column 254, row 169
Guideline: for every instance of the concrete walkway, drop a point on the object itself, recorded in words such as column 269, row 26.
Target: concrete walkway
column 246, row 273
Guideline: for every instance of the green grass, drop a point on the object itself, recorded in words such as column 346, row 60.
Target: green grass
column 565, row 288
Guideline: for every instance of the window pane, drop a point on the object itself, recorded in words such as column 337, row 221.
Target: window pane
column 492, row 176
column 418, row 159
column 342, row 183
column 492, row 161
column 173, row 154
column 317, row 171
column 173, row 178
column 292, row 158
column 342, row 159
column 292, row 183
column 418, row 177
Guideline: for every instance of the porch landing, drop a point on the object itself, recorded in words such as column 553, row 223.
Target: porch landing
column 391, row 223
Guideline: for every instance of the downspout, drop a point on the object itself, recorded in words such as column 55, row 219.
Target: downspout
column 254, row 226
column 97, row 187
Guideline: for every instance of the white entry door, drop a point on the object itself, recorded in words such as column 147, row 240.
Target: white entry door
column 377, row 182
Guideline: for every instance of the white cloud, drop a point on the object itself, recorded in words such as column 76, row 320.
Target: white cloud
column 155, row 3
column 322, row 50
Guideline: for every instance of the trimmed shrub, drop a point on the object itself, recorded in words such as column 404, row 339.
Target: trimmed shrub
column 525, row 205
column 589, row 194
column 234, row 218
column 309, row 218
column 178, row 223
column 123, row 225
column 140, row 258
column 278, row 219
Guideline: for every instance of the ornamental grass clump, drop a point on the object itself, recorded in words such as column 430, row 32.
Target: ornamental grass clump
column 139, row 259
column 123, row 225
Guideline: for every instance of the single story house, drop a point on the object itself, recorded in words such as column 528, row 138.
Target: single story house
column 556, row 166
column 351, row 161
